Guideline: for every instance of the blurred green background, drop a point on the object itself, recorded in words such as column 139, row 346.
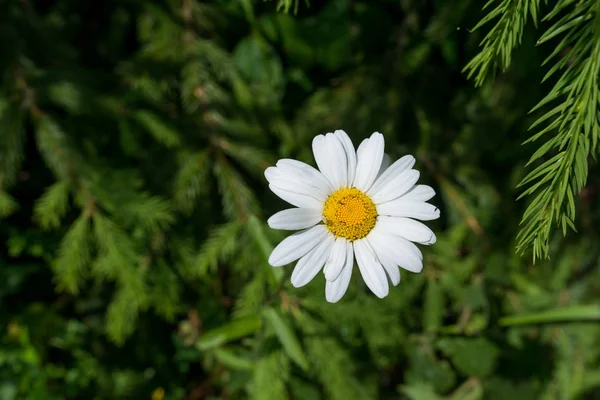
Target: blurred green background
column 133, row 139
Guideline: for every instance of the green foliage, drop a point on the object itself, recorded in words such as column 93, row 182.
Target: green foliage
column 286, row 336
column 133, row 142
column 74, row 255
column 555, row 183
column 53, row 205
column 561, row 163
column 510, row 18
column 270, row 375
column 229, row 332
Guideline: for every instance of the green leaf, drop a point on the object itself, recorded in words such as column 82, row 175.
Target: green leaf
column 425, row 368
column 287, row 337
column 231, row 331
column 502, row 389
column 420, row 391
column 567, row 314
column 433, row 309
column 233, row 360
column 470, row 390
column 472, row 357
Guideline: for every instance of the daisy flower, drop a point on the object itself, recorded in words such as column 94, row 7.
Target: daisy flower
column 355, row 206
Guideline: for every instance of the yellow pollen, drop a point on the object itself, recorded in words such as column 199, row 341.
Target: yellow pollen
column 349, row 213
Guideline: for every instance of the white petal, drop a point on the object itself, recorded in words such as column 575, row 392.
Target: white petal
column 300, row 188
column 361, row 147
column 295, row 218
column 323, row 159
column 335, row 290
column 419, row 193
column 350, row 155
column 409, row 208
column 387, row 261
column 371, row 269
column 403, row 164
column 305, row 173
column 310, row 265
column 407, row 228
column 271, row 173
column 397, row 250
column 393, row 188
column 297, row 245
column 297, row 199
column 385, row 164
column 306, row 180
column 369, row 162
column 337, row 259
column 337, row 160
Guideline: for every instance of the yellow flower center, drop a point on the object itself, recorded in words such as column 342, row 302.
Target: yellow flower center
column 349, row 213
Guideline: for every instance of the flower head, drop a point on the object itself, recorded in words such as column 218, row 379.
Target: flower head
column 356, row 205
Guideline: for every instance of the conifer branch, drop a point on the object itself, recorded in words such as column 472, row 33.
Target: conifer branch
column 192, row 180
column 503, row 38
column 74, row 254
column 220, row 244
column 239, row 201
column 53, row 205
column 11, row 142
column 574, row 119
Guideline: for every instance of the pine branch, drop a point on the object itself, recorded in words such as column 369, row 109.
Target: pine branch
column 503, row 38
column 238, row 199
column 554, row 183
column 162, row 131
column 53, row 145
column 192, row 181
column 254, row 159
column 52, row 206
column 270, row 375
column 220, row 244
column 119, row 260
column 117, row 253
column 146, row 211
column 334, row 367
column 123, row 311
column 11, row 142
column 119, row 193
column 8, row 204
column 164, row 289
column 251, row 297
column 74, row 254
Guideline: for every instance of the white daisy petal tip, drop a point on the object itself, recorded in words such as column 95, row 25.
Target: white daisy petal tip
column 270, row 173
